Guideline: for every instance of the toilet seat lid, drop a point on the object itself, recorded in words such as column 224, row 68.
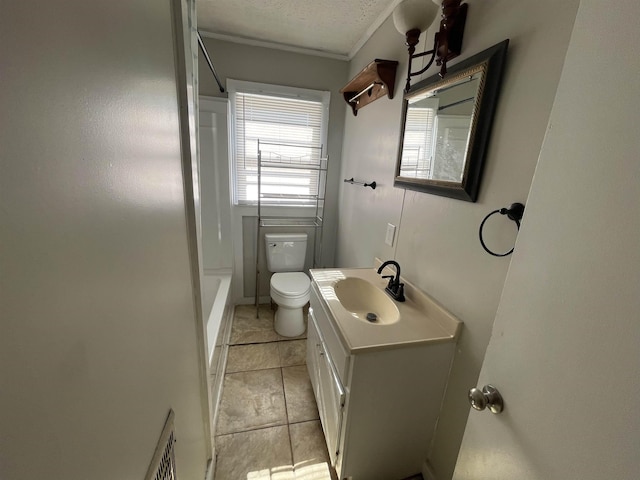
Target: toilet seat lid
column 291, row 283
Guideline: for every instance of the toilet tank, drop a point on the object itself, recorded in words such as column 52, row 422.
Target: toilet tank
column 286, row 252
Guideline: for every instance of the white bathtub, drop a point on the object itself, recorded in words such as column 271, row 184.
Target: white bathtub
column 217, row 312
column 215, row 308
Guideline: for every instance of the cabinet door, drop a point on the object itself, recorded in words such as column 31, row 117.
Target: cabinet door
column 330, row 394
column 313, row 355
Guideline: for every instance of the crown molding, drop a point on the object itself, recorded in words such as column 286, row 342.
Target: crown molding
column 273, row 45
column 309, row 51
column 372, row 28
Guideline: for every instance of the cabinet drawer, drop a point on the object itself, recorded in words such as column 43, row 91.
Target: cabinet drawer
column 335, row 349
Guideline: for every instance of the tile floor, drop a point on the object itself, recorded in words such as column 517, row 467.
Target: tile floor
column 268, row 424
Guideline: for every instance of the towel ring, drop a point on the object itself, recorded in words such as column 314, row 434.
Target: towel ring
column 514, row 212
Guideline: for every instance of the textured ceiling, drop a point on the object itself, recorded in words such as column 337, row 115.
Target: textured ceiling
column 330, row 26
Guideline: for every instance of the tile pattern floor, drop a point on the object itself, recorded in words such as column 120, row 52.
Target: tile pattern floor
column 268, row 424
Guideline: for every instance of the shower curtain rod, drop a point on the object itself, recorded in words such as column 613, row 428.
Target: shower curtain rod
column 206, row 56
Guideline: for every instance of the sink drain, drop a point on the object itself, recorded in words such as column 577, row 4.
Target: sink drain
column 372, row 317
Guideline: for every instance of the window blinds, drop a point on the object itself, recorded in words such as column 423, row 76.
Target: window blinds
column 296, row 123
column 417, row 152
column 419, row 138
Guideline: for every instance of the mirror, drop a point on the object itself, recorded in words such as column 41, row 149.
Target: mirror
column 446, row 125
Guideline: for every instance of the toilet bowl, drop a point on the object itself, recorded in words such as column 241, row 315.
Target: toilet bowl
column 291, row 292
column 290, row 287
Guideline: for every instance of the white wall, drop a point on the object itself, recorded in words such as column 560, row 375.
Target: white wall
column 437, row 240
column 99, row 333
column 265, row 65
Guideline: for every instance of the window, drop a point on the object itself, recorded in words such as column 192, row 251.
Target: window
column 417, row 153
column 271, row 114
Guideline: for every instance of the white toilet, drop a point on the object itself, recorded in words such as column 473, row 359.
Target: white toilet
column 290, row 286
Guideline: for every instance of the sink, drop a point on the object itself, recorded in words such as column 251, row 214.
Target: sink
column 347, row 295
column 366, row 302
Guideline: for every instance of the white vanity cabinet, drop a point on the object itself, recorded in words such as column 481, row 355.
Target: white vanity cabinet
column 378, row 405
column 327, row 386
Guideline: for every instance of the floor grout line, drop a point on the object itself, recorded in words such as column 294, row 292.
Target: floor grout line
column 286, row 413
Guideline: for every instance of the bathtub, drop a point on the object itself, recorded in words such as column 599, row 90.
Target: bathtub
column 216, row 310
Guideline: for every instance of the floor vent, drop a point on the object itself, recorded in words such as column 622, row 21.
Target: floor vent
column 163, row 465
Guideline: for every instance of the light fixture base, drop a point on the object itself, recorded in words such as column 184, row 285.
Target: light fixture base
column 447, row 41
column 449, row 38
column 412, row 39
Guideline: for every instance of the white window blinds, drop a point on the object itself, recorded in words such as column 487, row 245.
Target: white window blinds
column 290, row 130
column 417, row 151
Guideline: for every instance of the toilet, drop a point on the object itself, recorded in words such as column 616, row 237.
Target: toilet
column 290, row 286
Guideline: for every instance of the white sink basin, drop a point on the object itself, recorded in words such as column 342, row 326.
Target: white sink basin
column 366, row 302
column 349, row 294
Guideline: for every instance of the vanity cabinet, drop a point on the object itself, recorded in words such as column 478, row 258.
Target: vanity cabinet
column 327, row 386
column 378, row 405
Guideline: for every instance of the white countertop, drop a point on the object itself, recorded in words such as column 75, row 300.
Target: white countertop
column 422, row 319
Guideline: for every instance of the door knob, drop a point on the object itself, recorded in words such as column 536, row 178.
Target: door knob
column 489, row 396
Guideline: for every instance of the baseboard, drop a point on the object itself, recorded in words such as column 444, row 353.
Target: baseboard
column 217, row 271
column 211, row 466
column 252, row 300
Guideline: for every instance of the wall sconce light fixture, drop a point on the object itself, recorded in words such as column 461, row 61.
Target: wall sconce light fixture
column 412, row 17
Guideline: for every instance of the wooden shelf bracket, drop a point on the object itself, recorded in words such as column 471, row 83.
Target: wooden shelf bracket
column 374, row 81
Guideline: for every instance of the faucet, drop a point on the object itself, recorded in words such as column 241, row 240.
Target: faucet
column 394, row 287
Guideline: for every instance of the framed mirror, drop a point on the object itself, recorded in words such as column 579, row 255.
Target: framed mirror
column 446, row 125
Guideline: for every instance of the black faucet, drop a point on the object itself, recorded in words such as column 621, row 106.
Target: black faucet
column 394, row 287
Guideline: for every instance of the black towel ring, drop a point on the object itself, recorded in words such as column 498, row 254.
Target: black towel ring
column 514, row 212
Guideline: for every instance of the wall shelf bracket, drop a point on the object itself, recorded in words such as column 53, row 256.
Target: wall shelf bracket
column 376, row 80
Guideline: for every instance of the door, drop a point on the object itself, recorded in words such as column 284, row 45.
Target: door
column 565, row 349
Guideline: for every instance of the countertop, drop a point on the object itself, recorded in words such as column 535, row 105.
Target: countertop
column 422, row 319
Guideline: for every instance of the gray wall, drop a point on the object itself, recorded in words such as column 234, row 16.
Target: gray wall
column 437, row 239
column 99, row 331
column 265, row 65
